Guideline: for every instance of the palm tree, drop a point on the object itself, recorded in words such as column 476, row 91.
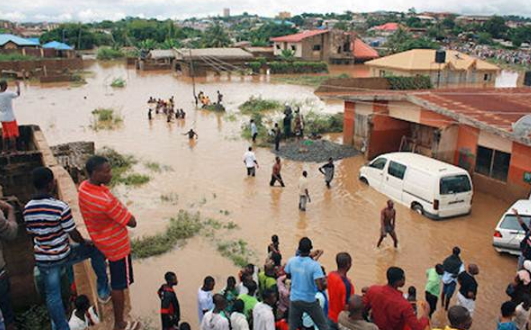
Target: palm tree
column 147, row 44
column 287, row 55
column 216, row 36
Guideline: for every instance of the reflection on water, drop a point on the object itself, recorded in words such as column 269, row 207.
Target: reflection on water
column 345, row 218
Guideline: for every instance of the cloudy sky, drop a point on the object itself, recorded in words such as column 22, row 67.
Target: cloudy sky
column 96, row 10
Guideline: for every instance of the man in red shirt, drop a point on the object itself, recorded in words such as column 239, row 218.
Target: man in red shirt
column 340, row 288
column 107, row 220
column 390, row 310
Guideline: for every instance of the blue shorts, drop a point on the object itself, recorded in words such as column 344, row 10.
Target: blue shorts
column 121, row 273
column 449, row 289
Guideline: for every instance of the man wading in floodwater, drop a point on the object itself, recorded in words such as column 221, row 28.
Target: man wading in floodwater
column 388, row 222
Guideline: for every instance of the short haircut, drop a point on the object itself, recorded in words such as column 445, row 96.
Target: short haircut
column 305, row 245
column 343, row 259
column 185, row 326
column 304, row 173
column 169, row 276
column 268, row 293
column 231, row 279
column 250, row 148
column 458, row 315
column 238, row 306
column 456, row 251
column 42, row 177
column 274, row 238
column 508, row 308
column 439, row 268
column 3, row 84
column 208, row 280
column 251, row 286
column 94, row 162
column 82, row 303
column 395, row 274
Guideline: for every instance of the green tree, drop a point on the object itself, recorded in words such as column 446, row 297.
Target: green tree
column 77, row 35
column 287, row 55
column 484, row 38
column 495, row 27
column 216, row 36
column 342, row 25
column 147, row 44
column 170, row 44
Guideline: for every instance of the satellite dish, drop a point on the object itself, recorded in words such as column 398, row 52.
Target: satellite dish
column 522, row 127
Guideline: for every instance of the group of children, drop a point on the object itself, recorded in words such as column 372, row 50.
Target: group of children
column 165, row 107
column 205, row 99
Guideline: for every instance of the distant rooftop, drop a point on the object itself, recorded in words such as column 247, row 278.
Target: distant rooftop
column 5, row 38
column 298, row 37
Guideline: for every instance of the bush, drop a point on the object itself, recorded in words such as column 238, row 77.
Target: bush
column 407, row 83
column 16, row 57
column 298, row 67
column 118, row 82
column 257, row 104
column 323, row 123
column 107, row 53
column 254, row 66
column 105, row 119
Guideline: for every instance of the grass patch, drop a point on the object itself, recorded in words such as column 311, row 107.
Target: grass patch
column 118, row 83
column 16, row 57
column 224, row 212
column 258, row 104
column 105, row 118
column 263, row 139
column 185, row 226
column 313, row 81
column 121, row 168
column 133, row 179
column 231, row 117
column 157, row 167
column 317, row 123
column 237, row 251
column 172, row 198
column 108, row 53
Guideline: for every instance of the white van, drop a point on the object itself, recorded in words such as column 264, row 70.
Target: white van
column 430, row 187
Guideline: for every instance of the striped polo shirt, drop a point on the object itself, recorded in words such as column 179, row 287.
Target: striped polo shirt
column 49, row 220
column 106, row 219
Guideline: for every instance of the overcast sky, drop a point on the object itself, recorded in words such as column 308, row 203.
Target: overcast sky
column 97, row 10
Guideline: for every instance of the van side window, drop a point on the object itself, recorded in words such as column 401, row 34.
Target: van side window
column 379, row 163
column 397, row 170
column 454, row 184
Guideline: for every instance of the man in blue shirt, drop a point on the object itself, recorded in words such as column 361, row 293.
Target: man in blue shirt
column 307, row 278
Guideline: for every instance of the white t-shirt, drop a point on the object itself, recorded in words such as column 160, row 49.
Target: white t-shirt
column 303, row 185
column 263, row 318
column 238, row 321
column 521, row 317
column 76, row 323
column 204, row 302
column 249, row 158
column 214, row 321
column 254, row 129
column 6, row 106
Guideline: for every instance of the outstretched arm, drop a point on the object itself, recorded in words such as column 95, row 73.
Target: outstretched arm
column 17, row 83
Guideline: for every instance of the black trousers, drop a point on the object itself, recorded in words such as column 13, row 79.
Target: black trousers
column 275, row 179
column 432, row 301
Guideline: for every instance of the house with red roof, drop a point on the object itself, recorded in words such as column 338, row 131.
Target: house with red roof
column 333, row 46
column 386, row 29
column 478, row 129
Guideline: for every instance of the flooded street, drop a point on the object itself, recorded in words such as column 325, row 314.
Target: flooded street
column 208, row 176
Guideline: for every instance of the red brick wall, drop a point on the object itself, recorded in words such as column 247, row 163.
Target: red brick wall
column 348, row 122
column 386, row 135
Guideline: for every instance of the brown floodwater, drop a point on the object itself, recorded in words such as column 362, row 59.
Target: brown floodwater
column 208, row 176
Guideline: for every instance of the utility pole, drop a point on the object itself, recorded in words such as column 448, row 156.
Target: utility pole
column 193, row 74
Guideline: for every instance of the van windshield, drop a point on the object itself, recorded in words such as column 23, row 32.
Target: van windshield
column 455, row 184
column 510, row 223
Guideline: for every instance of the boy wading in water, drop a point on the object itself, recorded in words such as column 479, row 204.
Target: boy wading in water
column 7, row 117
column 388, row 222
column 275, row 176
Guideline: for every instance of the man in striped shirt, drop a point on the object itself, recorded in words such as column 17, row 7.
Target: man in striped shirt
column 49, row 221
column 107, row 220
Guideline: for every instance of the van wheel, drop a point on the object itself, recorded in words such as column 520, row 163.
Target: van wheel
column 364, row 181
column 418, row 208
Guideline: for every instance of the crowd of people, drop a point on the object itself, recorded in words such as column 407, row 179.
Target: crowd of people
column 515, row 57
column 165, row 107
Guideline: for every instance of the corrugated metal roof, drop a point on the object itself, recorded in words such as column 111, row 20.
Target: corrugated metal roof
column 227, row 53
column 5, row 38
column 161, row 53
column 57, row 45
column 424, row 60
column 298, row 37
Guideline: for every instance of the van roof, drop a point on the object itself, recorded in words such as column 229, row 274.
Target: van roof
column 424, row 163
column 523, row 206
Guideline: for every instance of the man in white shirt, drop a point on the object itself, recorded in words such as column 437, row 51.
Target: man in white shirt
column 204, row 297
column 263, row 318
column 304, row 195
column 249, row 159
column 215, row 319
column 238, row 321
column 10, row 131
